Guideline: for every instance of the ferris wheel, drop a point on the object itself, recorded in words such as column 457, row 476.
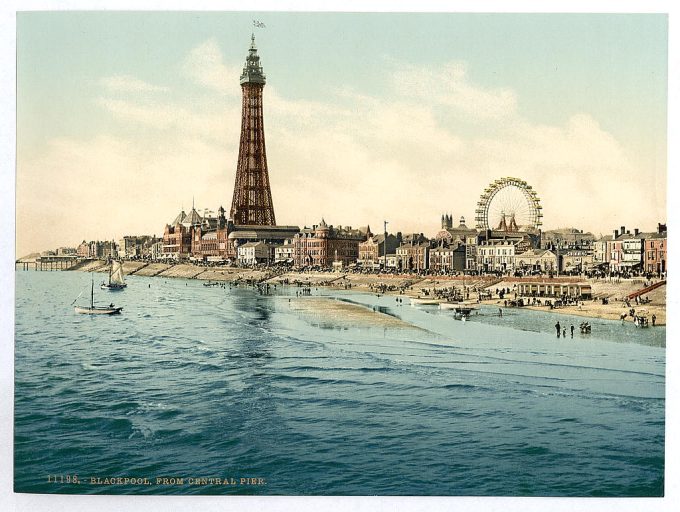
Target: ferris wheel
column 509, row 204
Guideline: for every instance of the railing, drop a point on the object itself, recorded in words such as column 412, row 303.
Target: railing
column 643, row 291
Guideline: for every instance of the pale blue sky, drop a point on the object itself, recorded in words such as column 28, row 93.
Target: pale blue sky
column 569, row 77
column 612, row 66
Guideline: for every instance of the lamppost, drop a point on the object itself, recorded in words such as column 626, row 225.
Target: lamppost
column 385, row 247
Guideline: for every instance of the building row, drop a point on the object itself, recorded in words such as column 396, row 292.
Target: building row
column 193, row 237
column 128, row 247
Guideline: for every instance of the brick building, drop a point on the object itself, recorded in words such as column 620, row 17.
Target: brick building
column 323, row 244
column 448, row 258
column 655, row 257
column 372, row 250
column 413, row 255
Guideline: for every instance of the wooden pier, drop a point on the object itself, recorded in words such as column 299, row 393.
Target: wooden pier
column 43, row 263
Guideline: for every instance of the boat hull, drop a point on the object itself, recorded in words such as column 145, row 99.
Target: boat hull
column 113, row 287
column 425, row 302
column 97, row 311
column 449, row 305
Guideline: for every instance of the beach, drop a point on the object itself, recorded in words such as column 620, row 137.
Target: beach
column 409, row 286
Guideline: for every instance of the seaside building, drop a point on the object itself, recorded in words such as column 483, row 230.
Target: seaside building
column 600, row 252
column 554, row 289
column 498, row 255
column 536, row 260
column 413, row 255
column 97, row 249
column 252, row 253
column 450, row 234
column 178, row 235
column 322, row 245
column 83, row 250
column 447, row 258
column 284, row 253
column 471, row 243
column 372, row 251
column 66, row 251
column 625, row 251
column 136, row 246
column 567, row 238
column 655, row 261
column 576, row 261
column 156, row 251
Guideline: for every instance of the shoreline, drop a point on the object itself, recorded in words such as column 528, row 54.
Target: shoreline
column 406, row 286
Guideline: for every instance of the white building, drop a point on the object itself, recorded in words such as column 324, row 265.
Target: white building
column 252, row 253
column 284, row 253
column 541, row 260
column 496, row 255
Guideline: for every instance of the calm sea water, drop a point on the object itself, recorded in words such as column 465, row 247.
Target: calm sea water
column 193, row 381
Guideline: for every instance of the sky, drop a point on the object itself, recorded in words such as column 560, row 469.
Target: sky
column 125, row 118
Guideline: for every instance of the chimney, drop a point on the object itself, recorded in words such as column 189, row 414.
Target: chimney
column 616, row 233
column 623, row 230
column 636, row 231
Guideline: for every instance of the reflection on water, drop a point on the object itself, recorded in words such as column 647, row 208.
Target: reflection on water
column 212, row 381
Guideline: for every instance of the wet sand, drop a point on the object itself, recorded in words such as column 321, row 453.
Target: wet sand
column 331, row 313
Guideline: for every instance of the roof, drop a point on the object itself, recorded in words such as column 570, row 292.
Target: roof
column 251, row 244
column 263, row 232
column 656, row 236
column 179, row 219
column 193, row 218
column 252, row 70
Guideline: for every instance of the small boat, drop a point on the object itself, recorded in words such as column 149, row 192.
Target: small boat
column 116, row 279
column 450, row 305
column 418, row 301
column 463, row 312
column 111, row 309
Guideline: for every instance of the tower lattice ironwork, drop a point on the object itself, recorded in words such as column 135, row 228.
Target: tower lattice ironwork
column 252, row 203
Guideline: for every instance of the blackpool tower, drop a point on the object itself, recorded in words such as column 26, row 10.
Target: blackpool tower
column 252, row 203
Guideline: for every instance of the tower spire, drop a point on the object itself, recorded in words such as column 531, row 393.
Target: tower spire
column 252, row 70
column 252, row 202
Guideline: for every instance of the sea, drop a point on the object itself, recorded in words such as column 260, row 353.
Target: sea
column 221, row 390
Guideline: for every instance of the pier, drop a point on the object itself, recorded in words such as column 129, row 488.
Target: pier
column 48, row 263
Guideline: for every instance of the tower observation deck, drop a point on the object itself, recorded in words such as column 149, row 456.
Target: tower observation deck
column 252, row 202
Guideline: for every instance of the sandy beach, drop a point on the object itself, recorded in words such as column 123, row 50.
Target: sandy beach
column 406, row 285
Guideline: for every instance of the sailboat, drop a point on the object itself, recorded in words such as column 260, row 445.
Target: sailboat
column 96, row 310
column 116, row 279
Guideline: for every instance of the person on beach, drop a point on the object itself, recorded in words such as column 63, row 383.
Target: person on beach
column 564, row 332
column 500, row 312
column 558, row 328
column 572, row 331
column 653, row 320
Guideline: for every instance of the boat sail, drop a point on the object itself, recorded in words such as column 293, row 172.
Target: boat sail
column 111, row 309
column 116, row 279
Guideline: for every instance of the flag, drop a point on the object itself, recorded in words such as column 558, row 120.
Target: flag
column 259, row 24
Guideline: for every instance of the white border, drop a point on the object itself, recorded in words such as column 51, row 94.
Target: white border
column 28, row 502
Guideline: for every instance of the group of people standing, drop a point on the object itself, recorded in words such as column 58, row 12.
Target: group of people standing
column 562, row 331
